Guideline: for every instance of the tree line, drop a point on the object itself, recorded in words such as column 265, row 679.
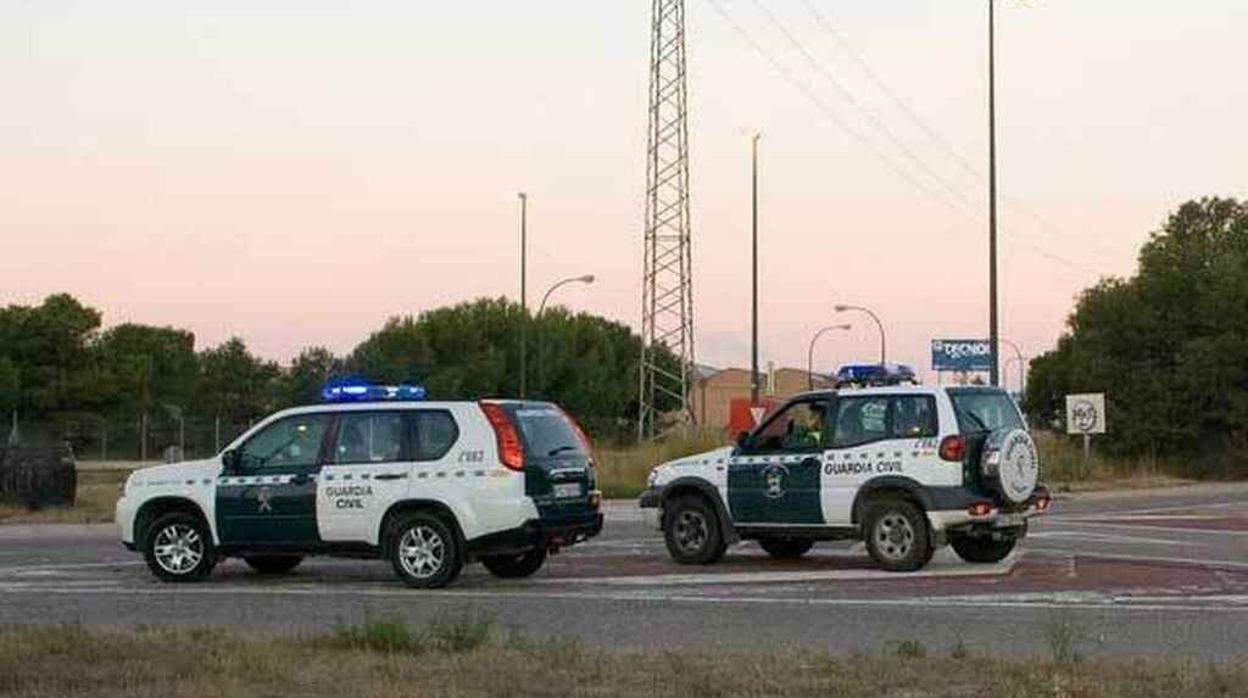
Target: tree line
column 1168, row 346
column 66, row 376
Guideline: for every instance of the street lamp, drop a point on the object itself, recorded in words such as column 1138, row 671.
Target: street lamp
column 810, row 353
column 841, row 308
column 1018, row 355
column 541, row 349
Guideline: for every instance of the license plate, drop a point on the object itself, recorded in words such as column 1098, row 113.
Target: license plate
column 568, row 489
column 1011, row 520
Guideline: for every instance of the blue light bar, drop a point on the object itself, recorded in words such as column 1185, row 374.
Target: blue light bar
column 875, row 374
column 360, row 390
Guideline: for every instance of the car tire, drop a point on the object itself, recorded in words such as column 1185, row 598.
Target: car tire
column 424, row 551
column 515, row 566
column 691, row 530
column 982, row 549
column 178, row 548
column 272, row 564
column 786, row 548
column 897, row 535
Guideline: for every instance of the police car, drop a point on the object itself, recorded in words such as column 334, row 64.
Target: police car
column 377, row 472
column 903, row 467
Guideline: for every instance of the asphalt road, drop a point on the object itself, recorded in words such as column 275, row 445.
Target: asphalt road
column 1148, row 573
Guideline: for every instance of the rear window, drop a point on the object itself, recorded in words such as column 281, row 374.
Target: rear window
column 985, row 410
column 547, row 432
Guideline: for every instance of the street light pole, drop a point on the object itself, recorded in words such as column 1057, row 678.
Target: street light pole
column 541, row 348
column 524, row 306
column 754, row 295
column 993, row 331
column 810, row 353
column 1018, row 354
column 841, row 308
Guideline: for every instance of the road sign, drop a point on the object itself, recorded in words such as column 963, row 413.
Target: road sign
column 1085, row 414
column 961, row 355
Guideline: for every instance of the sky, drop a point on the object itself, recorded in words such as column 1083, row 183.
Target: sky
column 295, row 173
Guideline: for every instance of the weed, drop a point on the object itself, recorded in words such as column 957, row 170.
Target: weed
column 464, row 631
column 1064, row 638
column 910, row 649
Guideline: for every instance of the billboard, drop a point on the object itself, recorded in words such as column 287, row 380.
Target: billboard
column 961, row 355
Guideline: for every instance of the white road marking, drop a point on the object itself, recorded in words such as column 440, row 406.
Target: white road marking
column 1109, row 538
column 1224, row 564
column 1163, row 529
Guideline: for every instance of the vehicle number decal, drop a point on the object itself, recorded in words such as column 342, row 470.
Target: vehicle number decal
column 471, row 456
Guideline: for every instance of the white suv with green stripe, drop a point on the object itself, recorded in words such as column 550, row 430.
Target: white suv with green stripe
column 905, row 468
column 377, row 472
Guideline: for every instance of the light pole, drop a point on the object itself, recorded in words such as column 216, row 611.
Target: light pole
column 541, row 349
column 524, row 306
column 993, row 330
column 810, row 353
column 754, row 275
column 841, row 308
column 1018, row 354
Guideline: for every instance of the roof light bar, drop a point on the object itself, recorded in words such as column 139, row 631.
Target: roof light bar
column 362, row 390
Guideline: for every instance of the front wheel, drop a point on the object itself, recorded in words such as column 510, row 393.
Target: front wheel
column 178, row 548
column 691, row 532
column 982, row 549
column 272, row 564
column 786, row 548
column 424, row 551
column 897, row 534
column 515, row 566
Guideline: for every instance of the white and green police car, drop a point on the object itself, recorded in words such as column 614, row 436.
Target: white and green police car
column 905, row 468
column 374, row 472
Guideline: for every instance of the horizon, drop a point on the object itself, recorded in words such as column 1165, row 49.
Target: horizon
column 275, row 175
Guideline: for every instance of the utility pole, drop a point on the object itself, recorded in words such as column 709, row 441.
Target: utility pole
column 994, row 376
column 667, row 275
column 754, row 275
column 524, row 306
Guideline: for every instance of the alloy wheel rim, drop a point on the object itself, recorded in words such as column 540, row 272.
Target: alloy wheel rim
column 691, row 531
column 422, row 552
column 178, row 548
column 894, row 536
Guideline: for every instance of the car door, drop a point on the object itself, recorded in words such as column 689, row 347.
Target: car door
column 874, row 436
column 774, row 478
column 270, row 499
column 367, row 468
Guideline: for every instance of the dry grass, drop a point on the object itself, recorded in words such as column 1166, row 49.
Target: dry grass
column 622, row 472
column 73, row 661
column 97, row 497
column 1066, row 469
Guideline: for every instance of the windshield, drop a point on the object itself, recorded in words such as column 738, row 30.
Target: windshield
column 985, row 410
column 547, row 432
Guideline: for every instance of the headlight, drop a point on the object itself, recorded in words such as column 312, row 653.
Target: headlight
column 652, row 478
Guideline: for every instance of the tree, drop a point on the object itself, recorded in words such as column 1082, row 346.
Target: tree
column 234, row 385
column 1169, row 346
column 48, row 346
column 301, row 384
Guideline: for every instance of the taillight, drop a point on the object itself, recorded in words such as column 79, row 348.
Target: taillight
column 953, row 448
column 980, row 509
column 510, row 450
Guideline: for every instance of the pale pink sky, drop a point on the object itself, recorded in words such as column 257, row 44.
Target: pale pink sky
column 296, row 174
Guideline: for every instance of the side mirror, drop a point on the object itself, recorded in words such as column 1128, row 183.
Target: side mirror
column 230, row 461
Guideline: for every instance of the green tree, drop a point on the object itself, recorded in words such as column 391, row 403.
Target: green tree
column 1169, row 346
column 48, row 345
column 301, row 384
column 236, row 386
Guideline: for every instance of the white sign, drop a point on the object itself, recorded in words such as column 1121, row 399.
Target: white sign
column 1085, row 414
column 757, row 413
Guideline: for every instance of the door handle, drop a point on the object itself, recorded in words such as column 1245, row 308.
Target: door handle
column 390, row 476
column 300, row 479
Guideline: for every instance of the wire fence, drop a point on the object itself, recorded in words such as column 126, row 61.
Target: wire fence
column 151, row 437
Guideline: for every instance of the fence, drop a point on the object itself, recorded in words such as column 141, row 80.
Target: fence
column 149, row 437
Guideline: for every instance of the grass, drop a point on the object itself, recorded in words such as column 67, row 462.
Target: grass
column 622, row 471
column 1065, row 468
column 97, row 497
column 191, row 663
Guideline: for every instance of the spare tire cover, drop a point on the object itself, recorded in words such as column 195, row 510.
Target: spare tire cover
column 1012, row 464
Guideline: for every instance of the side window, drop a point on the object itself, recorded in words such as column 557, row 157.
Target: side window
column 368, row 437
column 798, row 428
column 290, row 442
column 914, row 416
column 861, row 420
column 435, row 432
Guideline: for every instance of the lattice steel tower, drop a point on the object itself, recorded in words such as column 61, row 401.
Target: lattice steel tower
column 667, row 284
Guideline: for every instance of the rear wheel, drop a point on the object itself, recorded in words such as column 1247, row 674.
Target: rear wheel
column 982, row 549
column 178, row 548
column 515, row 566
column 424, row 551
column 272, row 564
column 691, row 531
column 897, row 534
column 786, row 548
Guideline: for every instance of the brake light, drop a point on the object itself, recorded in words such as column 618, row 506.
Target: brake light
column 953, row 448
column 1042, row 504
column 980, row 509
column 510, row 450
column 580, row 433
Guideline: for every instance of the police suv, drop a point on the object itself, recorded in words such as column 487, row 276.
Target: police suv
column 905, row 468
column 374, row 472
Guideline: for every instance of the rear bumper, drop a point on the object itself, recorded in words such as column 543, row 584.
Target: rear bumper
column 954, row 509
column 536, row 533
